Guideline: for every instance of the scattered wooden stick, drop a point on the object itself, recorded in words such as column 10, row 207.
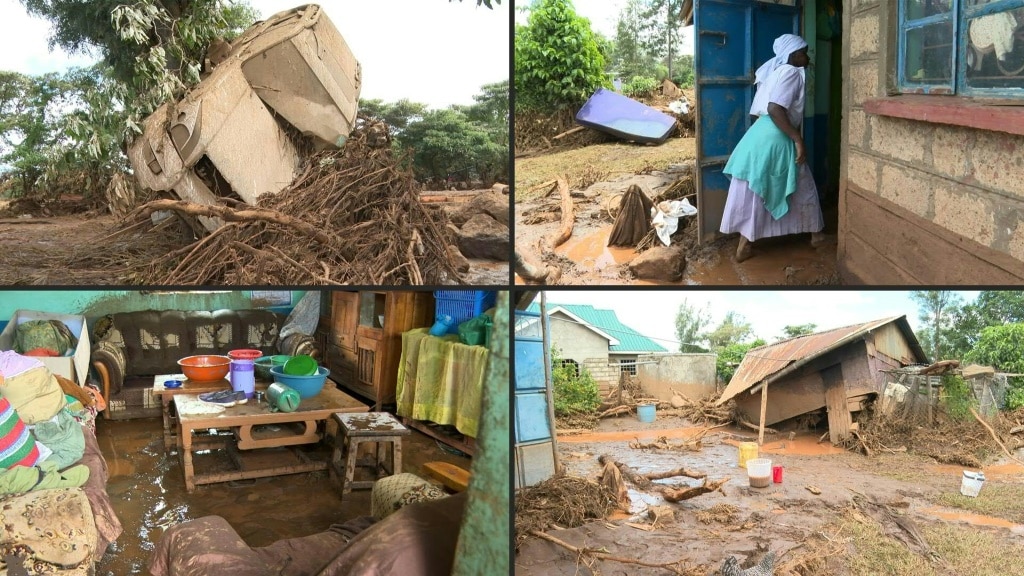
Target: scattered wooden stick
column 634, row 477
column 994, row 436
column 677, row 472
column 743, row 422
column 568, row 218
column 227, row 214
column 584, row 552
column 615, row 411
column 680, row 494
column 568, row 132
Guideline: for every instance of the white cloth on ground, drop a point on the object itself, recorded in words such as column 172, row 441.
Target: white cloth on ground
column 666, row 217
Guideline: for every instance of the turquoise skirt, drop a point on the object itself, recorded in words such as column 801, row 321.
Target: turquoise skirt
column 766, row 159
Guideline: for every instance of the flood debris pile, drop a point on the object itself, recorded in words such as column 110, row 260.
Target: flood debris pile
column 353, row 216
column 562, row 502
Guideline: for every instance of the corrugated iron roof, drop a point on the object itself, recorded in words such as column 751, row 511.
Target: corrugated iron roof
column 772, row 359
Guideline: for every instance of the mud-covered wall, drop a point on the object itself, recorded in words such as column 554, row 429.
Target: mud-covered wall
column 95, row 303
column 693, row 375
column 920, row 202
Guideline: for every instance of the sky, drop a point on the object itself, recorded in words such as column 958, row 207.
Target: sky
column 653, row 313
column 431, row 51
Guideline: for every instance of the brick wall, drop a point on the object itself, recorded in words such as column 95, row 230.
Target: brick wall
column 921, row 202
column 607, row 377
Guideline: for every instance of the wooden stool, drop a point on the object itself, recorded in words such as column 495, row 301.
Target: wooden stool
column 355, row 428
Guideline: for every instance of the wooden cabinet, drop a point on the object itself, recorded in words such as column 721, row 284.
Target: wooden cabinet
column 365, row 341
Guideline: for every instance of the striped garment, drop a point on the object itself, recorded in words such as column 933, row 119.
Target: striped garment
column 17, row 445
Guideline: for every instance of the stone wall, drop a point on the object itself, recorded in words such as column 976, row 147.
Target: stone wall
column 921, row 202
column 607, row 377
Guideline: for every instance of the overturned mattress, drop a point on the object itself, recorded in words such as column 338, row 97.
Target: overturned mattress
column 626, row 118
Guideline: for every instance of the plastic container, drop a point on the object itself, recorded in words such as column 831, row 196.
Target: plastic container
column 462, row 305
column 244, row 354
column 301, row 365
column 971, row 483
column 441, row 325
column 646, row 412
column 759, row 472
column 748, row 451
column 264, row 363
column 243, row 377
column 777, row 474
column 205, row 368
column 306, row 386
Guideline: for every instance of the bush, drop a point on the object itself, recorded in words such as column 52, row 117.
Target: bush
column 573, row 392
column 958, row 397
column 558, row 61
column 640, row 87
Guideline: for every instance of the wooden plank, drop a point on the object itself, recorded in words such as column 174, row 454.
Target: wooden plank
column 835, row 400
column 911, row 246
column 791, row 397
column 451, row 476
column 466, row 445
column 764, row 408
column 251, row 437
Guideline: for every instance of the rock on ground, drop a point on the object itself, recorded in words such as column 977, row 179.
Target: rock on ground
column 493, row 204
column 662, row 263
column 484, row 237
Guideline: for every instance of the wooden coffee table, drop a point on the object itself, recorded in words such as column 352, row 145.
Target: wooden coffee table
column 187, row 387
column 194, row 414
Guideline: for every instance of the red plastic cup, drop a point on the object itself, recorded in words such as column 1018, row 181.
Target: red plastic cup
column 777, row 474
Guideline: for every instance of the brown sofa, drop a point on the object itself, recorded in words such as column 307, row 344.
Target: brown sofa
column 132, row 347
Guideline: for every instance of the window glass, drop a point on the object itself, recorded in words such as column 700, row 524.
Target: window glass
column 917, row 9
column 929, row 54
column 995, row 50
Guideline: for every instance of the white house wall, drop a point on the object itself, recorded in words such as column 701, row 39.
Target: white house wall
column 576, row 342
column 693, row 375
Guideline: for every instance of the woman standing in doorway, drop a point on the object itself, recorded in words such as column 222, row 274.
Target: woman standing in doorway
column 772, row 192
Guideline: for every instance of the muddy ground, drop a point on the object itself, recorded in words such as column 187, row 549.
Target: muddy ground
column 785, row 518
column 598, row 174
column 33, row 248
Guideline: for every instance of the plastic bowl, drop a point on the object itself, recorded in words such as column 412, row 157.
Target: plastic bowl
column 264, row 363
column 205, row 368
column 301, row 365
column 244, row 354
column 306, row 386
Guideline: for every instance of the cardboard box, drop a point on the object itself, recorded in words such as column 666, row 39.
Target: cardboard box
column 74, row 367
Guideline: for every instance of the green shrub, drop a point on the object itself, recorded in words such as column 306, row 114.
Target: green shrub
column 1015, row 398
column 574, row 389
column 958, row 397
column 558, row 60
column 640, row 87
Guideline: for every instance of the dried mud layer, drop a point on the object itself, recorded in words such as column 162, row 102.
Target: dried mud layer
column 827, row 497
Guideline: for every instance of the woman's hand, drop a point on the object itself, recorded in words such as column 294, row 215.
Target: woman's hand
column 801, row 153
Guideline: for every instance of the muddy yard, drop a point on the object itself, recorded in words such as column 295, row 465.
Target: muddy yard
column 598, row 174
column 835, row 512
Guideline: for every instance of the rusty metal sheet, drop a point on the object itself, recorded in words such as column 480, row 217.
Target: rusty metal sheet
column 772, row 359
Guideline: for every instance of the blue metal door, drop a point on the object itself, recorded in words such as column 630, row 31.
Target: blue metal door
column 733, row 38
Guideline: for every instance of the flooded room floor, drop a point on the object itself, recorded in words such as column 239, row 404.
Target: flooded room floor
column 147, row 489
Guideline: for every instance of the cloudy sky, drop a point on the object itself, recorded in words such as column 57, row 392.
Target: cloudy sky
column 653, row 313
column 431, row 51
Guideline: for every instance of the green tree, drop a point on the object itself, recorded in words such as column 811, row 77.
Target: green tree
column 690, row 324
column 937, row 309
column 730, row 356
column 732, row 330
column 793, row 331
column 445, row 142
column 491, row 110
column 558, row 63
column 397, row 115
column 990, row 308
column 573, row 389
column 662, row 26
column 1000, row 346
column 630, row 56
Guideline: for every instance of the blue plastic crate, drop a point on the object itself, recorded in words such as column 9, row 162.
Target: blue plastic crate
column 462, row 305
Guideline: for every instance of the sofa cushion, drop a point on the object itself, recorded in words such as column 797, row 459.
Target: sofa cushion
column 56, row 525
column 17, row 445
column 34, row 393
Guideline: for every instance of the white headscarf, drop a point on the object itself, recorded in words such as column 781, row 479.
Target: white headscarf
column 784, row 46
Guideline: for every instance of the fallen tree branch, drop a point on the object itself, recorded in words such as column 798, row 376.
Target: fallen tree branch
column 680, row 494
column 583, row 552
column 677, row 472
column 634, row 477
column 743, row 422
column 230, row 215
column 568, row 218
column 994, row 437
column 615, row 411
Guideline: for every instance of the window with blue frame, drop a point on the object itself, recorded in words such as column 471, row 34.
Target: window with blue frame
column 969, row 47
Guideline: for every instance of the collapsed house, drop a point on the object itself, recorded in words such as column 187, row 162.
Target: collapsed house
column 835, row 373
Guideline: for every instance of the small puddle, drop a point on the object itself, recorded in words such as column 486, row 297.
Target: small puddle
column 971, row 518
column 592, row 250
column 799, row 446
